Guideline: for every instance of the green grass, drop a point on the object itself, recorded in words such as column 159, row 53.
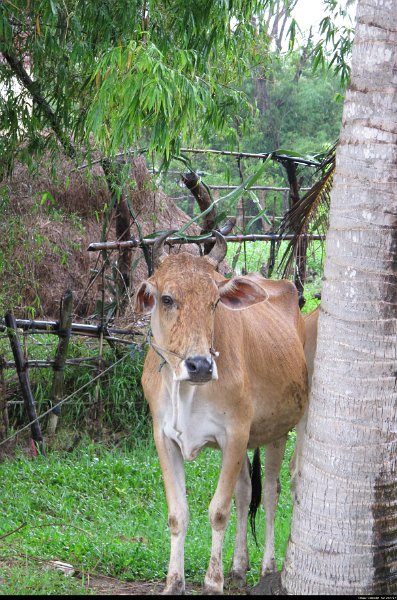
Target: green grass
column 104, row 511
column 23, row 579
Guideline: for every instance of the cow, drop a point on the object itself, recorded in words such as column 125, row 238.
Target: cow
column 226, row 369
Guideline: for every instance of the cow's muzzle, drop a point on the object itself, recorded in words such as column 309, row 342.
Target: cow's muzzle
column 200, row 369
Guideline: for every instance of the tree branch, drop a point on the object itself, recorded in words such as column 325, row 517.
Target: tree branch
column 34, row 90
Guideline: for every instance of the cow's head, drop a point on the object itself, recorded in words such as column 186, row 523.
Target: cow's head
column 182, row 296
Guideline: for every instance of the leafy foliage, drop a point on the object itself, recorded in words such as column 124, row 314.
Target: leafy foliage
column 153, row 64
column 297, row 108
column 310, row 214
column 136, row 73
column 333, row 49
column 155, row 73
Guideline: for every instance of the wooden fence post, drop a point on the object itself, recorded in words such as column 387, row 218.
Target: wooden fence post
column 64, row 333
column 199, row 191
column 97, row 404
column 301, row 249
column 22, row 370
column 4, row 425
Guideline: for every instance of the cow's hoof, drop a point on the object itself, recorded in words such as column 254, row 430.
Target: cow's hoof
column 176, row 587
column 212, row 591
column 269, row 585
column 236, row 580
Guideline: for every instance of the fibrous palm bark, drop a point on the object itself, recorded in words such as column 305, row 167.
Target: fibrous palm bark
column 344, row 527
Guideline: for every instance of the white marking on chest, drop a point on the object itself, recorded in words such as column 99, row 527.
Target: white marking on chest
column 190, row 420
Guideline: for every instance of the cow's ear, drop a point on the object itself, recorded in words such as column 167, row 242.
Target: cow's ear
column 240, row 292
column 144, row 300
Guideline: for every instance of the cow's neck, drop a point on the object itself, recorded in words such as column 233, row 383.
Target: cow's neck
column 190, row 421
column 179, row 411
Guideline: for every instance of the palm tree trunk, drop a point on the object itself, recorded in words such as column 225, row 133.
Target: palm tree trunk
column 344, row 527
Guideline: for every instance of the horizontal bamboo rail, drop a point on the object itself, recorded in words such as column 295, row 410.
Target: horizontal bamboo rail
column 265, row 188
column 262, row 155
column 134, row 243
column 33, row 326
column 45, row 364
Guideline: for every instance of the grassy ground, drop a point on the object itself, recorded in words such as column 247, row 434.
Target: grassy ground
column 104, row 511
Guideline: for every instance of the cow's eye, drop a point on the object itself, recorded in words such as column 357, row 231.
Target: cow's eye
column 167, row 300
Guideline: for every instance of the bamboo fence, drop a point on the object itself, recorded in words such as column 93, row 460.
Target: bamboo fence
column 64, row 328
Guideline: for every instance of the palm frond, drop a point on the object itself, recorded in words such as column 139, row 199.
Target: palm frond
column 310, row 213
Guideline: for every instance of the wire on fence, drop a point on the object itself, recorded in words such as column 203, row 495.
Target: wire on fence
column 64, row 400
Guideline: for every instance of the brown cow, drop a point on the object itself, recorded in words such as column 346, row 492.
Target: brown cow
column 226, row 369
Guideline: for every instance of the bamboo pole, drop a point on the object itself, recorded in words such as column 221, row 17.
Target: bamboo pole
column 23, row 375
column 263, row 156
column 264, row 188
column 52, row 327
column 204, row 200
column 4, row 425
column 64, row 333
column 301, row 248
column 45, row 364
column 97, row 404
column 265, row 237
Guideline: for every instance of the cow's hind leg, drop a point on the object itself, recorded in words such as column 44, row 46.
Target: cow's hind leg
column 240, row 563
column 274, row 454
column 295, row 464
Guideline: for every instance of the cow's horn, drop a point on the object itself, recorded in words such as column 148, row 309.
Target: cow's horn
column 218, row 252
column 158, row 248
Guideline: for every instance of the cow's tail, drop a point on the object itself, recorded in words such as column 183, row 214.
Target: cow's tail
column 256, row 486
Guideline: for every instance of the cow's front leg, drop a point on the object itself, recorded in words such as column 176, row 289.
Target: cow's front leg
column 172, row 467
column 233, row 457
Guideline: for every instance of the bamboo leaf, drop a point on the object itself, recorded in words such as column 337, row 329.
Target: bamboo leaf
column 311, row 212
column 233, row 196
column 261, row 215
column 38, row 29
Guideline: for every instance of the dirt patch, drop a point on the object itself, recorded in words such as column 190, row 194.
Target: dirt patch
column 109, row 586
column 104, row 585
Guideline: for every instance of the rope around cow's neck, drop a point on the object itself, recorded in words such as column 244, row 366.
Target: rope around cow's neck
column 159, row 350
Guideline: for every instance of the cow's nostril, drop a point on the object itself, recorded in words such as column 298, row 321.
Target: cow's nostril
column 199, row 367
column 191, row 366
